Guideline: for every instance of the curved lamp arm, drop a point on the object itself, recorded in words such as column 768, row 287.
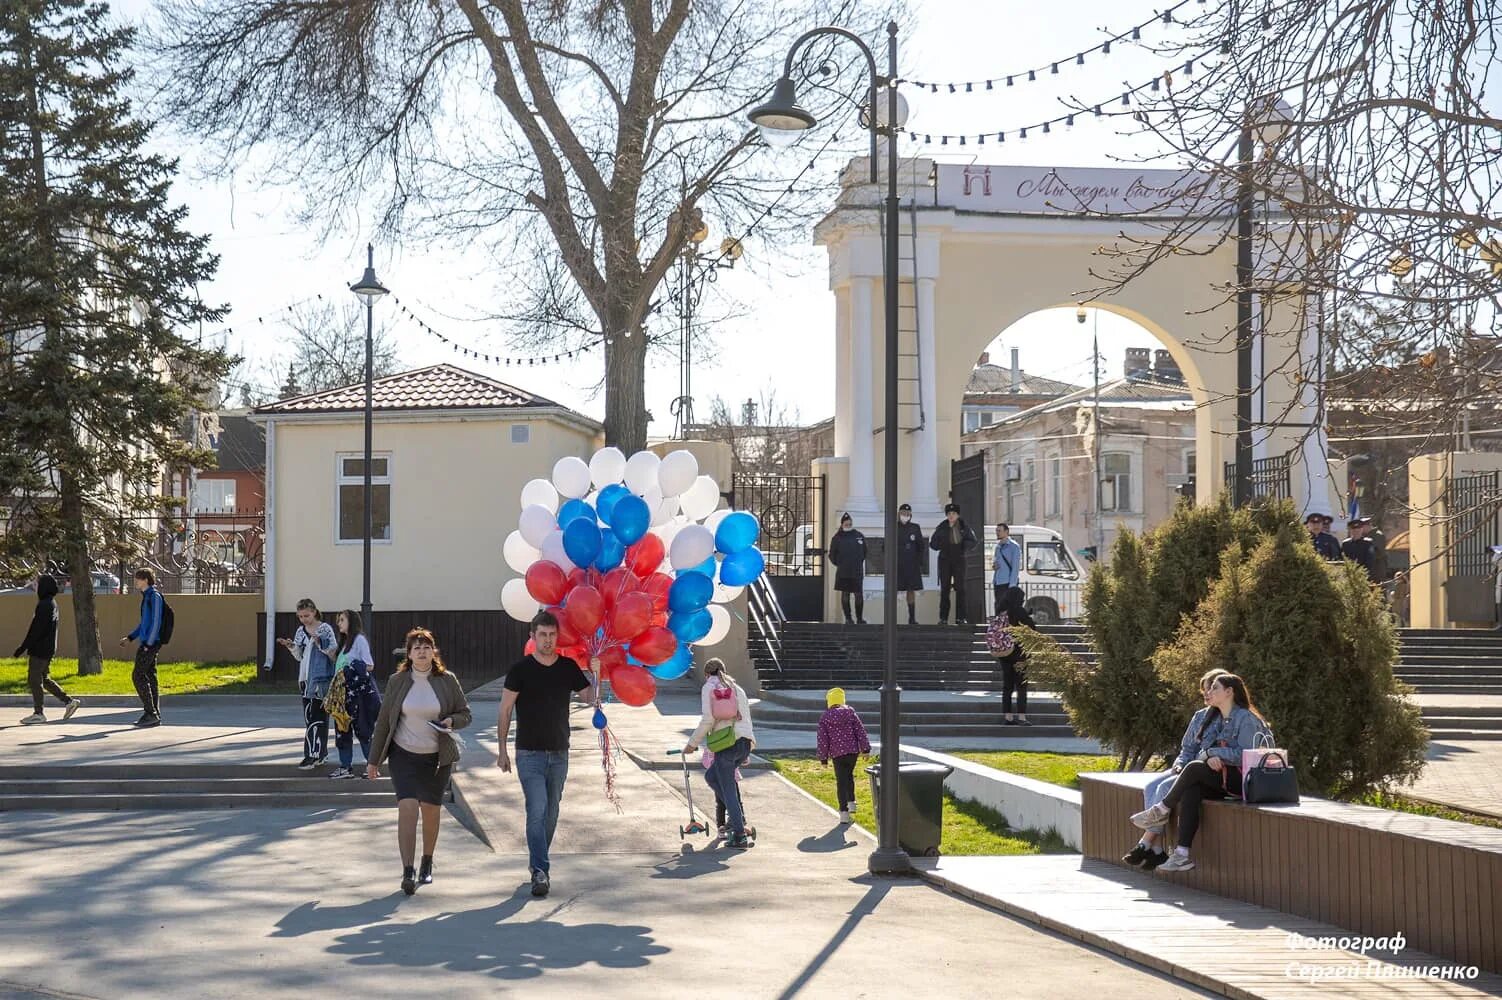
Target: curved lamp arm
column 807, row 36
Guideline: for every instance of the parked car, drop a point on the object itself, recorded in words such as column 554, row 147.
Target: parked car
column 1050, row 578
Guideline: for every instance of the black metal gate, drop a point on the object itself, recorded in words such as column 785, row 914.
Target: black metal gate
column 1472, row 507
column 790, row 510
column 1272, row 478
column 967, row 487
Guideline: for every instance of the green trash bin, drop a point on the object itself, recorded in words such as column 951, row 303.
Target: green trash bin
column 920, row 804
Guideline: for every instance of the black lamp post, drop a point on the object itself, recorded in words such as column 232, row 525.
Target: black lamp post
column 695, row 267
column 369, row 288
column 780, row 120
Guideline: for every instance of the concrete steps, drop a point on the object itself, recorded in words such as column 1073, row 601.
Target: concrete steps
column 107, row 787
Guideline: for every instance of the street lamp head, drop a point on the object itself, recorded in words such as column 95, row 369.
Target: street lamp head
column 730, row 248
column 782, row 118
column 1079, row 314
column 369, row 287
column 701, row 234
column 881, row 111
column 1272, row 120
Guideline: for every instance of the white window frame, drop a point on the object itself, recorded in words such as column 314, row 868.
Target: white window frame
column 1119, row 505
column 1186, row 457
column 228, row 488
column 1055, row 487
column 340, row 480
column 1030, row 477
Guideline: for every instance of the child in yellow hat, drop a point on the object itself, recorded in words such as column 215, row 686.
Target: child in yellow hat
column 842, row 738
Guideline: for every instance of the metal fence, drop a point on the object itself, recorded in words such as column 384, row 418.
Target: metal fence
column 1271, row 477
column 1472, row 506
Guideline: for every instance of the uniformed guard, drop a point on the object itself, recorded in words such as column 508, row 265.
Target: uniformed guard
column 951, row 540
column 912, row 559
column 1359, row 548
column 1324, row 542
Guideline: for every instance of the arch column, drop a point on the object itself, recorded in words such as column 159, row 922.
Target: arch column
column 925, row 446
column 1315, row 446
column 862, row 428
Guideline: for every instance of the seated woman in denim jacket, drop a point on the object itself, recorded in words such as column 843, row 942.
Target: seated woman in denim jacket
column 1234, row 725
column 1147, row 855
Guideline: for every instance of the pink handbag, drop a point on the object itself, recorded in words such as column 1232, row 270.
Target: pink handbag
column 722, row 704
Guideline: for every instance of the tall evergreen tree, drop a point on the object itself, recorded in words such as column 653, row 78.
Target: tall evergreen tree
column 97, row 275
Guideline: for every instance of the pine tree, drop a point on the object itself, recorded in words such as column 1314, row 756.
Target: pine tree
column 97, row 275
column 1317, row 652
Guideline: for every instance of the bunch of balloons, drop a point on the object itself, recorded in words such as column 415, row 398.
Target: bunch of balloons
column 636, row 561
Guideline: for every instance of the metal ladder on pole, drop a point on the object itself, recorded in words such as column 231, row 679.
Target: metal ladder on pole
column 912, row 412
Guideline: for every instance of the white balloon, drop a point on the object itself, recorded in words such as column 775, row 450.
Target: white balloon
column 540, row 492
column 608, row 466
column 667, row 531
column 519, row 554
column 677, row 472
column 723, row 594
column 641, row 473
column 517, row 602
column 665, row 511
column 712, row 522
column 571, row 477
column 719, row 626
column 701, row 498
column 553, row 551
column 536, row 522
column 691, row 546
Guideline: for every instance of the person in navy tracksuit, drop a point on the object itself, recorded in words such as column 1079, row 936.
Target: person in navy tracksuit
column 149, row 634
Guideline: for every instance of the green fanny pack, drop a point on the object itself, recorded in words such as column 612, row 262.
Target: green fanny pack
column 720, row 739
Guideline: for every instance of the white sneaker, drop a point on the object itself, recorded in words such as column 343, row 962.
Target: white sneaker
column 845, row 816
column 1151, row 817
column 341, row 772
column 73, row 706
column 34, row 719
column 1177, row 863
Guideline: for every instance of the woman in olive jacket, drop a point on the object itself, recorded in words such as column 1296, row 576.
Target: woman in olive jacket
column 423, row 705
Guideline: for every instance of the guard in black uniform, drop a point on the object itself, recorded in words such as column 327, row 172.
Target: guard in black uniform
column 1360, row 549
column 847, row 550
column 912, row 559
column 1324, row 542
column 952, row 540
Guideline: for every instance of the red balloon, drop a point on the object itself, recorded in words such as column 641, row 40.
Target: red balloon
column 567, row 634
column 617, row 583
column 546, row 582
column 632, row 614
column 657, row 585
column 578, row 577
column 654, row 645
column 530, row 647
column 585, row 610
column 611, row 658
column 646, row 555
column 659, row 618
column 632, row 684
column 577, row 653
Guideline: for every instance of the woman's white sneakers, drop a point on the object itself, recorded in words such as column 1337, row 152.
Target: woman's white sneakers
column 34, row 719
column 845, row 816
column 1151, row 817
column 1177, row 863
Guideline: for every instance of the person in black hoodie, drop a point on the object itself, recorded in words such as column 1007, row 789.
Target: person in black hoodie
column 39, row 646
column 847, row 550
column 952, row 539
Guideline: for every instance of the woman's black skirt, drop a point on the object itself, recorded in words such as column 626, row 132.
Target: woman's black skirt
column 417, row 775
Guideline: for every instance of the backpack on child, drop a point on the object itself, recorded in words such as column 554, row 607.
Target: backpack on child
column 723, row 705
column 999, row 635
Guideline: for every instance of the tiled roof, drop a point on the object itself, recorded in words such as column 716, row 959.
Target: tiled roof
column 1134, row 389
column 441, row 387
column 998, row 379
column 241, row 444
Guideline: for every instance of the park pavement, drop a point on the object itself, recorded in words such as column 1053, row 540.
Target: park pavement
column 282, row 902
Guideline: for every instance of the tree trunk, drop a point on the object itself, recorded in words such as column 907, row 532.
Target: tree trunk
column 1121, row 765
column 625, row 392
column 85, row 621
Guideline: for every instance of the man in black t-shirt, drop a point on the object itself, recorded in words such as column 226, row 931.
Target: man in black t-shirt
column 538, row 690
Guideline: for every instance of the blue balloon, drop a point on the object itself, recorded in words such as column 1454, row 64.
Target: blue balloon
column 675, row 666
column 690, row 626
column 690, row 592
column 572, row 510
column 708, row 567
column 581, row 541
column 612, row 552
column 630, row 519
column 608, row 498
column 735, row 533
column 741, row 568
column 598, row 721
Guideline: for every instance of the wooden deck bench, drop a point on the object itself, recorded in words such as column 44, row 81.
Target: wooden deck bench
column 1373, row 871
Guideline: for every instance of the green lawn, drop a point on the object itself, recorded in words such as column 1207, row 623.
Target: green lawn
column 969, row 828
column 174, row 678
column 1399, row 803
column 1054, row 768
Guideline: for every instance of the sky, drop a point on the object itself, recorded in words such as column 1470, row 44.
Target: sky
column 780, row 334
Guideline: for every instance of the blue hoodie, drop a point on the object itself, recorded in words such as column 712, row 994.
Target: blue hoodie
column 150, row 629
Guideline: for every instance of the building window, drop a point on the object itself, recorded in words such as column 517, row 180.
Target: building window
column 1055, row 485
column 213, row 496
column 521, row 433
column 1030, row 483
column 1189, row 462
column 972, row 420
column 351, row 498
column 1116, row 481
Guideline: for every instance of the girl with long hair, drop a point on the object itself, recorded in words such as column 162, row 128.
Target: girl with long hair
column 422, row 707
column 725, row 706
column 356, row 699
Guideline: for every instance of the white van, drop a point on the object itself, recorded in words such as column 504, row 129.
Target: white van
column 1052, row 582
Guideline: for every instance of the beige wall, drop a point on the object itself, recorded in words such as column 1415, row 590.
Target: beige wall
column 205, row 627
column 455, row 496
column 1427, row 478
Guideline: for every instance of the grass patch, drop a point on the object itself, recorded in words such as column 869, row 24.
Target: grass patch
column 1399, row 803
column 969, row 827
column 190, row 677
column 1054, row 768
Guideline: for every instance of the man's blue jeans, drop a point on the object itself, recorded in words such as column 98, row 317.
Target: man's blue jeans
column 721, row 778
column 542, row 773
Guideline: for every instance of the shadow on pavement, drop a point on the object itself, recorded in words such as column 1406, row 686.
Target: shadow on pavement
column 490, row 941
column 828, row 843
column 692, row 863
column 867, row 905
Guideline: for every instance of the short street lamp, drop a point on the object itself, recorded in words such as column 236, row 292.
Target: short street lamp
column 780, row 121
column 369, row 288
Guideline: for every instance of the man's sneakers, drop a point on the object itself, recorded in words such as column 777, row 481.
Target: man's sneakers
column 306, row 764
column 409, row 880
column 341, row 772
column 738, row 842
column 148, row 721
column 1137, row 855
column 34, row 719
column 425, row 871
column 1177, row 862
column 540, row 883
column 845, row 816
column 72, row 707
column 1154, row 860
column 1153, row 816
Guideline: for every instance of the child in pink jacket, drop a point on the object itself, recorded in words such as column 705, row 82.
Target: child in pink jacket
column 843, row 738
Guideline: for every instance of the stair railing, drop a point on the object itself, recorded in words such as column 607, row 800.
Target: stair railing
column 766, row 617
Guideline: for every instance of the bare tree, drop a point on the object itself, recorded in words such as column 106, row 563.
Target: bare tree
column 765, row 436
column 572, row 140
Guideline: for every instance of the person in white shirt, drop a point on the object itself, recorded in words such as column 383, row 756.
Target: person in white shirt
column 721, row 688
